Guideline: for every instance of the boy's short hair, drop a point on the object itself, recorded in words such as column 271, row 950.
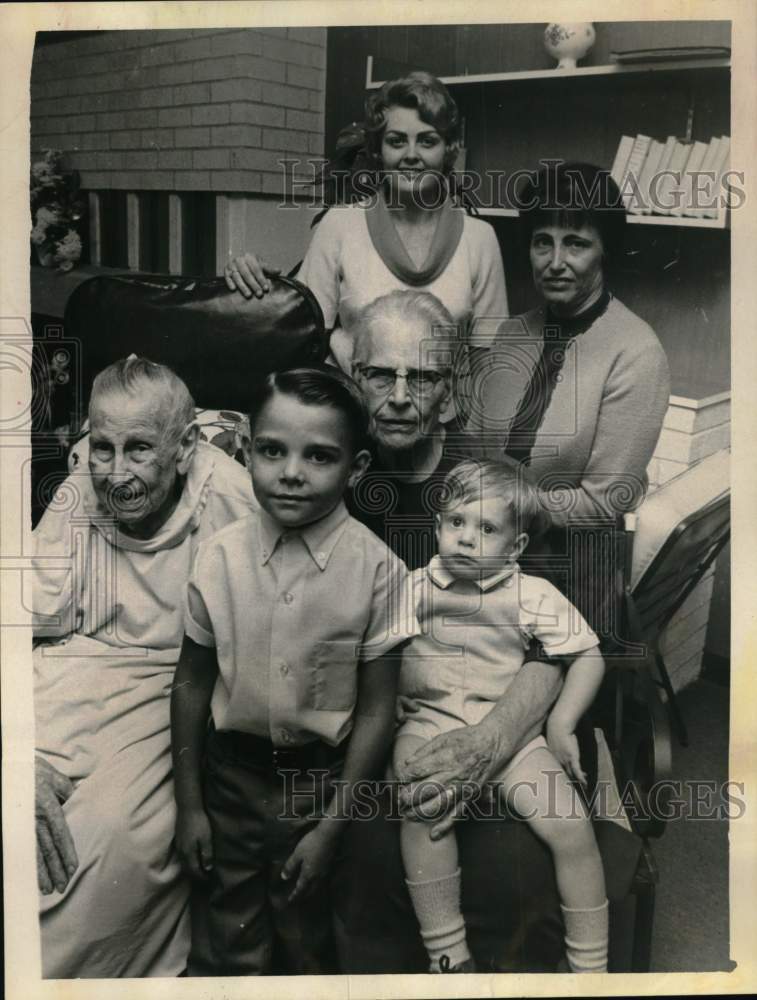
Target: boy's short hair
column 473, row 480
column 133, row 375
column 319, row 385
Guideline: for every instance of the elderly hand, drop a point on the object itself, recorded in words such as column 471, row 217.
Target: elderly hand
column 461, row 762
column 56, row 854
column 247, row 273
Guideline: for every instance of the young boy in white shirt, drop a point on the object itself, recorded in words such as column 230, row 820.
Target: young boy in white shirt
column 477, row 614
column 293, row 624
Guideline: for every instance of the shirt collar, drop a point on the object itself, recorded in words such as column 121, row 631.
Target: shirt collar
column 442, row 577
column 319, row 538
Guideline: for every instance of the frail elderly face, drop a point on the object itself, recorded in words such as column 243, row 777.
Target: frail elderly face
column 134, row 460
column 404, row 389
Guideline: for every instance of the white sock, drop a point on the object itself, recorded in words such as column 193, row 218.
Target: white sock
column 586, row 934
column 437, row 907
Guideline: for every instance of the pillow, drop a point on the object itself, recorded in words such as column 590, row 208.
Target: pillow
column 226, row 429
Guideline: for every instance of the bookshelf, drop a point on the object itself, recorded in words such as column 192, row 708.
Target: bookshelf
column 676, row 273
column 519, row 109
column 610, row 69
column 688, row 97
column 680, row 222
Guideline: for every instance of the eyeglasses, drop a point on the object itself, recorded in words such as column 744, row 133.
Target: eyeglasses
column 419, row 383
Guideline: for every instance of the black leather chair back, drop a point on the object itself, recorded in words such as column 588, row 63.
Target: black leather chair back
column 219, row 342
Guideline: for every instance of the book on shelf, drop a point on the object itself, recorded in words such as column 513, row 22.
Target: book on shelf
column 671, row 53
column 629, row 186
column 720, row 163
column 621, row 158
column 675, row 177
column 667, row 152
column 648, row 171
column 705, row 186
column 702, row 185
column 669, row 186
column 685, row 203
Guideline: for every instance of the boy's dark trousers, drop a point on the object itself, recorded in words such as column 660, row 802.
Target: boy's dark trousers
column 260, row 803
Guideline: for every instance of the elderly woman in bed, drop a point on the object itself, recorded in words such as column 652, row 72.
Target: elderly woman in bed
column 111, row 566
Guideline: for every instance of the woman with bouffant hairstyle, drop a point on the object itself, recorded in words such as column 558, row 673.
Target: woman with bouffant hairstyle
column 404, row 229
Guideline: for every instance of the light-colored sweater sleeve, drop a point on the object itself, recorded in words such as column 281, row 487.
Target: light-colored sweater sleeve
column 489, row 291
column 321, row 268
column 634, row 402
column 61, row 557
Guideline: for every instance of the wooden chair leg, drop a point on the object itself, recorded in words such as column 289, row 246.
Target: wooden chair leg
column 675, row 713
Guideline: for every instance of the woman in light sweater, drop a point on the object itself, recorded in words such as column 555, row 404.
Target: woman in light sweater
column 405, row 231
column 576, row 389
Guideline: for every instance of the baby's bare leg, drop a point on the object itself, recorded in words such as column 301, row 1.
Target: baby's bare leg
column 423, row 857
column 539, row 791
column 433, row 878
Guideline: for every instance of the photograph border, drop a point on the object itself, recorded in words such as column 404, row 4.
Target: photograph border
column 18, row 23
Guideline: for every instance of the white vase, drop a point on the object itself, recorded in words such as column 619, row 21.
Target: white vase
column 569, row 42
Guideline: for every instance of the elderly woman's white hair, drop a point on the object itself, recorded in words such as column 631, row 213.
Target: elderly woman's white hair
column 134, row 375
column 404, row 308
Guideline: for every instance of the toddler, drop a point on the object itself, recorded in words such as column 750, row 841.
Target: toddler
column 477, row 614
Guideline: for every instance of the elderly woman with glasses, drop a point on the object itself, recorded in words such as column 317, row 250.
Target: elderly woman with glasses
column 405, row 232
column 403, row 362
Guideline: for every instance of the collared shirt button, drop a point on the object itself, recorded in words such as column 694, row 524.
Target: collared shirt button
column 285, row 736
column 284, row 668
column 321, row 555
column 288, row 598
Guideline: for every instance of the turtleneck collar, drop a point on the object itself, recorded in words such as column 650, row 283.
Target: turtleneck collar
column 572, row 326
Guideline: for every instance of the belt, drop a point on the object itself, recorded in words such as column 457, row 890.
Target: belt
column 250, row 749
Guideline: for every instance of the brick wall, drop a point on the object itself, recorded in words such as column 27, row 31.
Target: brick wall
column 205, row 110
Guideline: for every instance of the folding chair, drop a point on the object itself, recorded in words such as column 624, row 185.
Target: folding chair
column 662, row 553
column 667, row 581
